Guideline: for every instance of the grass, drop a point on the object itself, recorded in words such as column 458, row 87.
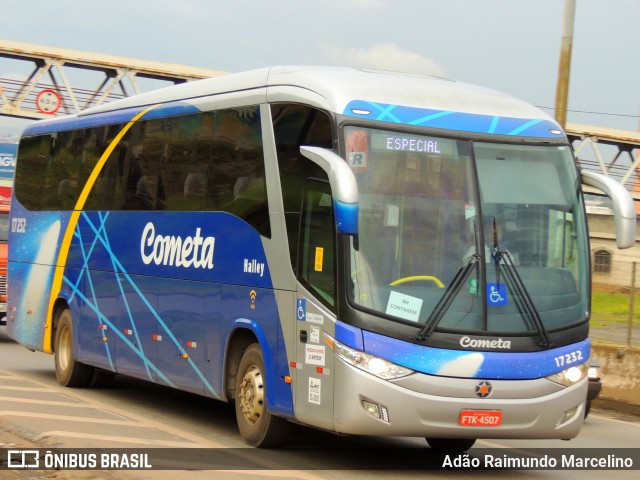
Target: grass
column 612, row 307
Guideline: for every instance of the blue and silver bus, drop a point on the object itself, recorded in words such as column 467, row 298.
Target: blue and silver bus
column 362, row 252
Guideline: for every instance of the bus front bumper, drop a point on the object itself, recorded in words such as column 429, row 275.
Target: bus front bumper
column 427, row 406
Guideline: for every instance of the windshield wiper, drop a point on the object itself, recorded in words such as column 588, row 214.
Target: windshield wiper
column 514, row 277
column 449, row 295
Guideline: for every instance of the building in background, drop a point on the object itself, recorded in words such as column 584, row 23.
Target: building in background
column 610, row 266
column 8, row 149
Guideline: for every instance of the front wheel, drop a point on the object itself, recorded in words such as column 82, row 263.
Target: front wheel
column 69, row 372
column 451, row 444
column 257, row 426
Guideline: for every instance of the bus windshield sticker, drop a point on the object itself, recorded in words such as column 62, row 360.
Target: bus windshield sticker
column 319, row 259
column 391, row 215
column 497, row 294
column 404, row 306
column 469, row 210
column 358, row 161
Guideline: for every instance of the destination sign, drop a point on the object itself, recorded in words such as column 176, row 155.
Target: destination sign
column 390, row 141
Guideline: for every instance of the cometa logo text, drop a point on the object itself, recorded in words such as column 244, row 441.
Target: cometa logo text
column 468, row 342
column 175, row 251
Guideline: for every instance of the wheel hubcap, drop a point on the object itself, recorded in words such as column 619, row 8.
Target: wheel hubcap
column 64, row 348
column 252, row 394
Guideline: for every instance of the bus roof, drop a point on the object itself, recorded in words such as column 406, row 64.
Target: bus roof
column 334, row 89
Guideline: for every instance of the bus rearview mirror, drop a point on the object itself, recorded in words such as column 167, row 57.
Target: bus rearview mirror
column 344, row 187
column 624, row 210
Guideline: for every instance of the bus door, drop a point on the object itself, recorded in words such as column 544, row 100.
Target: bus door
column 315, row 302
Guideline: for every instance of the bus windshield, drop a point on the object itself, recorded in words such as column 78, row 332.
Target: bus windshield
column 486, row 238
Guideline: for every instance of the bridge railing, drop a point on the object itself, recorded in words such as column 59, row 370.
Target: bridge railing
column 43, row 81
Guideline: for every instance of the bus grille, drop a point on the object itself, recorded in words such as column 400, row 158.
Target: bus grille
column 3, row 284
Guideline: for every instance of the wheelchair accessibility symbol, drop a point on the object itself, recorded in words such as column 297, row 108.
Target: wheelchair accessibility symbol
column 496, row 294
column 301, row 311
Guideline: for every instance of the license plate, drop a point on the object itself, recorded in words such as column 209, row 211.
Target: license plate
column 480, row 418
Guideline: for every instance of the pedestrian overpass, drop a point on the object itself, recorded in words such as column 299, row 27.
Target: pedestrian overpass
column 39, row 82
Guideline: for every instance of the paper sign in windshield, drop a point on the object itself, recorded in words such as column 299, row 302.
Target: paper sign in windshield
column 404, row 306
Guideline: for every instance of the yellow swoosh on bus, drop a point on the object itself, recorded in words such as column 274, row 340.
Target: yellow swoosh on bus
column 71, row 226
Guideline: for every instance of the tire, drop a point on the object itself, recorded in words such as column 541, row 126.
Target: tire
column 451, row 444
column 69, row 372
column 257, row 426
column 587, row 408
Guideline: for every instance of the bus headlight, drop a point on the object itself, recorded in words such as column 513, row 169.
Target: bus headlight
column 570, row 376
column 370, row 364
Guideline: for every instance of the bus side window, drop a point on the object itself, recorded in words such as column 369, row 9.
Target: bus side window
column 142, row 166
column 64, row 172
column 185, row 160
column 317, row 241
column 236, row 180
column 104, row 193
column 293, row 126
column 33, row 157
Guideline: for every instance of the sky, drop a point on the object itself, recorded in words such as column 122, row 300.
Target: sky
column 509, row 45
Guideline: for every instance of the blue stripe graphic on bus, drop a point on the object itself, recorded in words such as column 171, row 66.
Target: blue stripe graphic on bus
column 159, row 325
column 74, row 122
column 90, row 237
column 459, row 121
column 474, row 364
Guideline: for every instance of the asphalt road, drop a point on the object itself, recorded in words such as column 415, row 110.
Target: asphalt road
column 36, row 412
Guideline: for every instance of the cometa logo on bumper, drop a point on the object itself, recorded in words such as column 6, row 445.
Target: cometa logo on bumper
column 468, row 342
column 175, row 251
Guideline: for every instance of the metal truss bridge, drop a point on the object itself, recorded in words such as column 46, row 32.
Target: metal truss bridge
column 615, row 153
column 39, row 82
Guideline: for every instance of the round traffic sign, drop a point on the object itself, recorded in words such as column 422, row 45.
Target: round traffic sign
column 48, row 101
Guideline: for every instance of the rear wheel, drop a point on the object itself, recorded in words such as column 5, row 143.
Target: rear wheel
column 69, row 372
column 451, row 444
column 258, row 427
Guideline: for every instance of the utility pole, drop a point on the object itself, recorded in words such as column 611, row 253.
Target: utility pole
column 562, row 92
column 632, row 298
